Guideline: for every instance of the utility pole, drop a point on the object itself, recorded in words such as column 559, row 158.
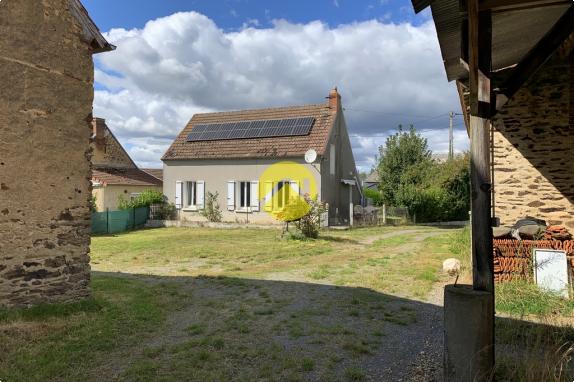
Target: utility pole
column 450, row 136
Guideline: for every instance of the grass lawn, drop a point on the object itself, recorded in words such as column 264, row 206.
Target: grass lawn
column 242, row 304
column 400, row 261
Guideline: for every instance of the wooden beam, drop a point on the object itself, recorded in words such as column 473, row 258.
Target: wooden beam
column 539, row 54
column 480, row 63
column 512, row 5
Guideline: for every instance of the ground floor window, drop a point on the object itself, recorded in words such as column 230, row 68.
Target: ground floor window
column 191, row 194
column 283, row 194
column 245, row 194
column 134, row 195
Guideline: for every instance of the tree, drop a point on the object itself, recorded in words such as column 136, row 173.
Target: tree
column 404, row 166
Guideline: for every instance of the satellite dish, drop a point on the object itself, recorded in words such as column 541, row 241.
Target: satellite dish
column 310, row 156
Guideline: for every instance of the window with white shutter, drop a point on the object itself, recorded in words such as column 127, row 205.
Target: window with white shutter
column 295, row 188
column 254, row 195
column 268, row 196
column 244, row 195
column 200, row 195
column 190, row 195
column 178, row 194
column 283, row 194
column 231, row 195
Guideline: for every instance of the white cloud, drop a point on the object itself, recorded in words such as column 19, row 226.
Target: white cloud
column 182, row 64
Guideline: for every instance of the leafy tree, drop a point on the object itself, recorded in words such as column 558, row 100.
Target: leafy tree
column 404, row 166
column 431, row 191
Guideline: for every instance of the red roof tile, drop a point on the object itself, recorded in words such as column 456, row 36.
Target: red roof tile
column 124, row 177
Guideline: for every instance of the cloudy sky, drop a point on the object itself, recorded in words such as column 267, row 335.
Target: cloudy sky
column 180, row 57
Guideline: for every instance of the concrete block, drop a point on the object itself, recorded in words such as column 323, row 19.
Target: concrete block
column 468, row 334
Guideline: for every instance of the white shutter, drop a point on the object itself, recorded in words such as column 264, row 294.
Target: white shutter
column 295, row 188
column 178, row 194
column 200, row 194
column 231, row 195
column 254, row 195
column 268, row 196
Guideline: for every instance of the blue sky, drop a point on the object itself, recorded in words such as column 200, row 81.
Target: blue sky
column 175, row 58
column 232, row 14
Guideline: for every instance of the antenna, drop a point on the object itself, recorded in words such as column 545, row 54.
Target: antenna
column 450, row 137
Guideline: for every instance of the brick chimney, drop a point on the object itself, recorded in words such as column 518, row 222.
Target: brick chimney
column 99, row 134
column 334, row 100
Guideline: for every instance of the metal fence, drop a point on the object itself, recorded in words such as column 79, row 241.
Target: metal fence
column 119, row 221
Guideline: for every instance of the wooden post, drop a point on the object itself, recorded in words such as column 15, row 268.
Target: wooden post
column 351, row 207
column 384, row 214
column 480, row 45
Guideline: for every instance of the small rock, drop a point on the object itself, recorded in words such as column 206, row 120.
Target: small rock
column 451, row 266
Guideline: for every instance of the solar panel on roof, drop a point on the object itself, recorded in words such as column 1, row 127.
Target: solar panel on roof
column 251, row 129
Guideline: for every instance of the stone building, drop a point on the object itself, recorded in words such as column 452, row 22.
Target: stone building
column 46, row 94
column 533, row 136
column 114, row 173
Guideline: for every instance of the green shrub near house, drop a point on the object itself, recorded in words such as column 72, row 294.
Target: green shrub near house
column 145, row 199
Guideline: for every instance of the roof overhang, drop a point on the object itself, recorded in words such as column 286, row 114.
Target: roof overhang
column 349, row 182
column 90, row 31
column 524, row 34
column 517, row 27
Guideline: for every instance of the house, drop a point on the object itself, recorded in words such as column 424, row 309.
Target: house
column 372, row 181
column 234, row 154
column 114, row 173
column 46, row 95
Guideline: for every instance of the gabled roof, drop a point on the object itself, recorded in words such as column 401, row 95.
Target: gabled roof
column 91, row 33
column 271, row 147
column 155, row 172
column 124, row 177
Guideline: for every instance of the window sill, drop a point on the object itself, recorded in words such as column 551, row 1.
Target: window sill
column 191, row 209
column 245, row 211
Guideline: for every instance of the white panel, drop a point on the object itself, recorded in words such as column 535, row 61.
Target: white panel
column 268, row 196
column 178, row 194
column 551, row 270
column 295, row 187
column 332, row 159
column 200, row 197
column 254, row 195
column 231, row 195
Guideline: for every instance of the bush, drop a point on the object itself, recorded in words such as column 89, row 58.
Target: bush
column 92, row 203
column 310, row 223
column 166, row 211
column 374, row 195
column 212, row 211
column 145, row 199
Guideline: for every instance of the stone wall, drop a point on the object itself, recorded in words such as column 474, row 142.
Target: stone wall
column 533, row 146
column 46, row 94
column 107, row 150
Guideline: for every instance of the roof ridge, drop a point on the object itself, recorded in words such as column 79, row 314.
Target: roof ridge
column 317, row 105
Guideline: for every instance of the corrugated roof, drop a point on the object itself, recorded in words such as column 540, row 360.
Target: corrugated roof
column 256, row 147
column 514, row 32
column 124, row 177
